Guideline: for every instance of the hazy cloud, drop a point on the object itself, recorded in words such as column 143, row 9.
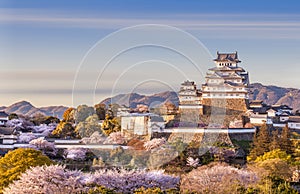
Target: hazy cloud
column 270, row 23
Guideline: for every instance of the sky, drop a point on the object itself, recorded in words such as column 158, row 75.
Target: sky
column 80, row 52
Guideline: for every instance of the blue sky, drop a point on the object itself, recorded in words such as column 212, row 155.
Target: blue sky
column 43, row 43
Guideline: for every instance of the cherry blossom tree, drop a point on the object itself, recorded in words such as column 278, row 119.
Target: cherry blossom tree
column 19, row 124
column 44, row 129
column 141, row 108
column 44, row 146
column 123, row 181
column 75, row 153
column 154, row 143
column 57, row 179
column 26, row 137
column 115, row 138
column 192, row 162
column 216, row 178
column 48, row 179
column 95, row 138
column 222, row 154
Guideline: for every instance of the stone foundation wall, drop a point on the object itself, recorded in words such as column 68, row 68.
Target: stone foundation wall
column 208, row 138
column 190, row 116
column 228, row 106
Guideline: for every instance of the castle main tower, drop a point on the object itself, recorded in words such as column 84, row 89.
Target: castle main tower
column 227, row 82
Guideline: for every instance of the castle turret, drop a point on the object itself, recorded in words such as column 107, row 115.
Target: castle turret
column 190, row 98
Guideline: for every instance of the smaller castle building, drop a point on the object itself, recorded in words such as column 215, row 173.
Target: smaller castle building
column 189, row 96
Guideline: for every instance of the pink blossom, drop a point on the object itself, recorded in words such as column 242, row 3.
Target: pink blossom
column 115, row 138
column 26, row 137
column 75, row 153
column 154, row 143
column 48, row 179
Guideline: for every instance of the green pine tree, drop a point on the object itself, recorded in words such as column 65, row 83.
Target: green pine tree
column 285, row 142
column 275, row 142
column 261, row 143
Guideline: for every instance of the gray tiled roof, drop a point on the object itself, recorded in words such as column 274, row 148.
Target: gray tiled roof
column 233, row 57
column 157, row 119
column 6, row 130
column 3, row 114
column 188, row 83
column 294, row 119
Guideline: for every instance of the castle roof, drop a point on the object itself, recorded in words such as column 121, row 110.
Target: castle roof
column 188, row 83
column 278, row 107
column 3, row 114
column 226, row 83
column 227, row 68
column 294, row 119
column 227, row 57
column 7, row 130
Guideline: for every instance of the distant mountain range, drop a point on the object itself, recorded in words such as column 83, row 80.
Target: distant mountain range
column 133, row 99
column 269, row 94
column 275, row 95
column 26, row 108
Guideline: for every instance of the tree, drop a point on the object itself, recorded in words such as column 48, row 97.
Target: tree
column 274, row 163
column 276, row 168
column 44, row 129
column 82, row 112
column 100, row 110
column 88, row 127
column 115, row 138
column 95, row 138
column 217, row 178
column 48, row 179
column 123, row 181
column 19, row 124
column 13, row 116
column 141, row 108
column 64, row 130
column 42, row 119
column 44, row 146
column 154, row 143
column 110, row 124
column 75, row 153
column 26, row 137
column 261, row 143
column 18, row 161
column 275, row 144
column 285, row 142
column 192, row 162
column 68, row 115
column 273, row 154
column 113, row 109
